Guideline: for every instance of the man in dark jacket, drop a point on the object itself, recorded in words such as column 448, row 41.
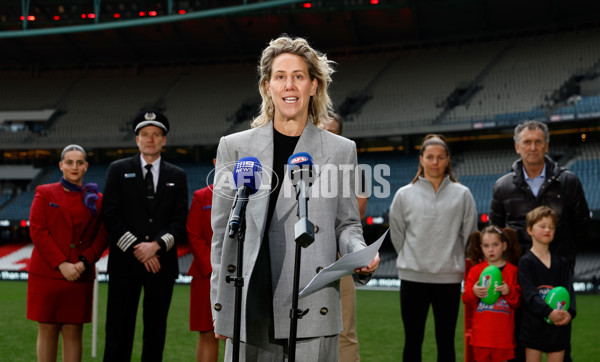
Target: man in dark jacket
column 145, row 209
column 537, row 180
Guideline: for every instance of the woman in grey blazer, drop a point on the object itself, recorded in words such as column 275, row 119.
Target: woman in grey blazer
column 293, row 85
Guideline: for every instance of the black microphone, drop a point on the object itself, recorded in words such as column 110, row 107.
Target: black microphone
column 300, row 172
column 247, row 177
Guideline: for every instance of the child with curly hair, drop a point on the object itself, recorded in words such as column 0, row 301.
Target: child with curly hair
column 492, row 337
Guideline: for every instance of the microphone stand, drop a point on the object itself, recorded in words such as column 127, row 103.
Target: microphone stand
column 238, row 284
column 304, row 235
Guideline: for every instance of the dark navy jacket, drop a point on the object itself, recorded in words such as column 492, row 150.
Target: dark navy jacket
column 512, row 199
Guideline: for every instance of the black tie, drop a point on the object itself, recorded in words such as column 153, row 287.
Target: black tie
column 149, row 182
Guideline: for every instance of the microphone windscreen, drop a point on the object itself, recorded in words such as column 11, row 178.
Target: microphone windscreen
column 300, row 167
column 248, row 172
column 300, row 158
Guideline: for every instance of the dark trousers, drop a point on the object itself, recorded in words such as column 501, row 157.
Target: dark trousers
column 121, row 311
column 415, row 299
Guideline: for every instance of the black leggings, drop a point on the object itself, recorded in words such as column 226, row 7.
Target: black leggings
column 415, row 299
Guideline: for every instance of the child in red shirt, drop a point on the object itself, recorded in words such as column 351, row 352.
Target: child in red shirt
column 493, row 326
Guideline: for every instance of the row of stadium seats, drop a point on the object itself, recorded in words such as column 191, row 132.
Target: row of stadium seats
column 530, row 71
column 585, row 105
column 477, row 169
column 404, row 90
column 4, row 198
column 414, row 85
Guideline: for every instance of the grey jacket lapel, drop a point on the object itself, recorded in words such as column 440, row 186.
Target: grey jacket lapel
column 310, row 142
column 261, row 148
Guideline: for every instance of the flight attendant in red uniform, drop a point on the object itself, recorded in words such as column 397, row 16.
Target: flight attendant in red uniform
column 68, row 238
column 199, row 236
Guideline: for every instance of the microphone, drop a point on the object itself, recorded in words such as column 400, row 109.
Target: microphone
column 300, row 172
column 247, row 177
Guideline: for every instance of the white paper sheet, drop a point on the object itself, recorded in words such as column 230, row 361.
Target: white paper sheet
column 345, row 266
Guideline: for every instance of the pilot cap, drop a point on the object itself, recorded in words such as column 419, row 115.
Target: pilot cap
column 150, row 118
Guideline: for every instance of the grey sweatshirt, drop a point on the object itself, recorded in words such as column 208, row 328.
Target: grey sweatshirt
column 430, row 230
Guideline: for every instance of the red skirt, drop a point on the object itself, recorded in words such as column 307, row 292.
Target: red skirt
column 58, row 300
column 200, row 308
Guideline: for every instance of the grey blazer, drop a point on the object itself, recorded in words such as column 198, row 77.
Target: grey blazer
column 335, row 214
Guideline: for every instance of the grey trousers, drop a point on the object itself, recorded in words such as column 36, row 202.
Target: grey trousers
column 318, row 349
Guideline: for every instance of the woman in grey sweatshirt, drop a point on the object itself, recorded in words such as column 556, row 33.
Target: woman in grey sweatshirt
column 430, row 221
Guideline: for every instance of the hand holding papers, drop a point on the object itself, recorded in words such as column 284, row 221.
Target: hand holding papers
column 345, row 266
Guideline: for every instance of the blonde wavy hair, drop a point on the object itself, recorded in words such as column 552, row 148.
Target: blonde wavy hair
column 319, row 67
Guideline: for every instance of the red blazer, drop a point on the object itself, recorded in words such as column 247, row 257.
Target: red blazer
column 51, row 232
column 200, row 233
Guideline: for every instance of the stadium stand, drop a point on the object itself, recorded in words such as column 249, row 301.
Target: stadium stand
column 402, row 169
column 394, row 92
column 18, row 208
column 198, row 176
column 101, row 103
column 588, row 171
column 584, row 105
column 5, row 197
column 419, row 82
column 588, row 267
column 21, row 90
column 205, row 100
column 528, row 74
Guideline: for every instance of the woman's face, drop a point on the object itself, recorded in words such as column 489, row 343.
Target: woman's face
column 434, row 160
column 73, row 167
column 290, row 87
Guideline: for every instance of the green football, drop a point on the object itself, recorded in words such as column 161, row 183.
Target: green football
column 558, row 298
column 490, row 277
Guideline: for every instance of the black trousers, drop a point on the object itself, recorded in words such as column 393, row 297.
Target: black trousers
column 123, row 300
column 415, row 299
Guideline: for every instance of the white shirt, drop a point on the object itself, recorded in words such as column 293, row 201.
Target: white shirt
column 155, row 170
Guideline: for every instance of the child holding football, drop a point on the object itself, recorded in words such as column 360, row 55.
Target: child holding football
column 492, row 337
column 539, row 272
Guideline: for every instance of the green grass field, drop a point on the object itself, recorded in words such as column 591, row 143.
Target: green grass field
column 380, row 329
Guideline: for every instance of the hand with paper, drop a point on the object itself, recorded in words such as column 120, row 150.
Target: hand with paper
column 368, row 258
